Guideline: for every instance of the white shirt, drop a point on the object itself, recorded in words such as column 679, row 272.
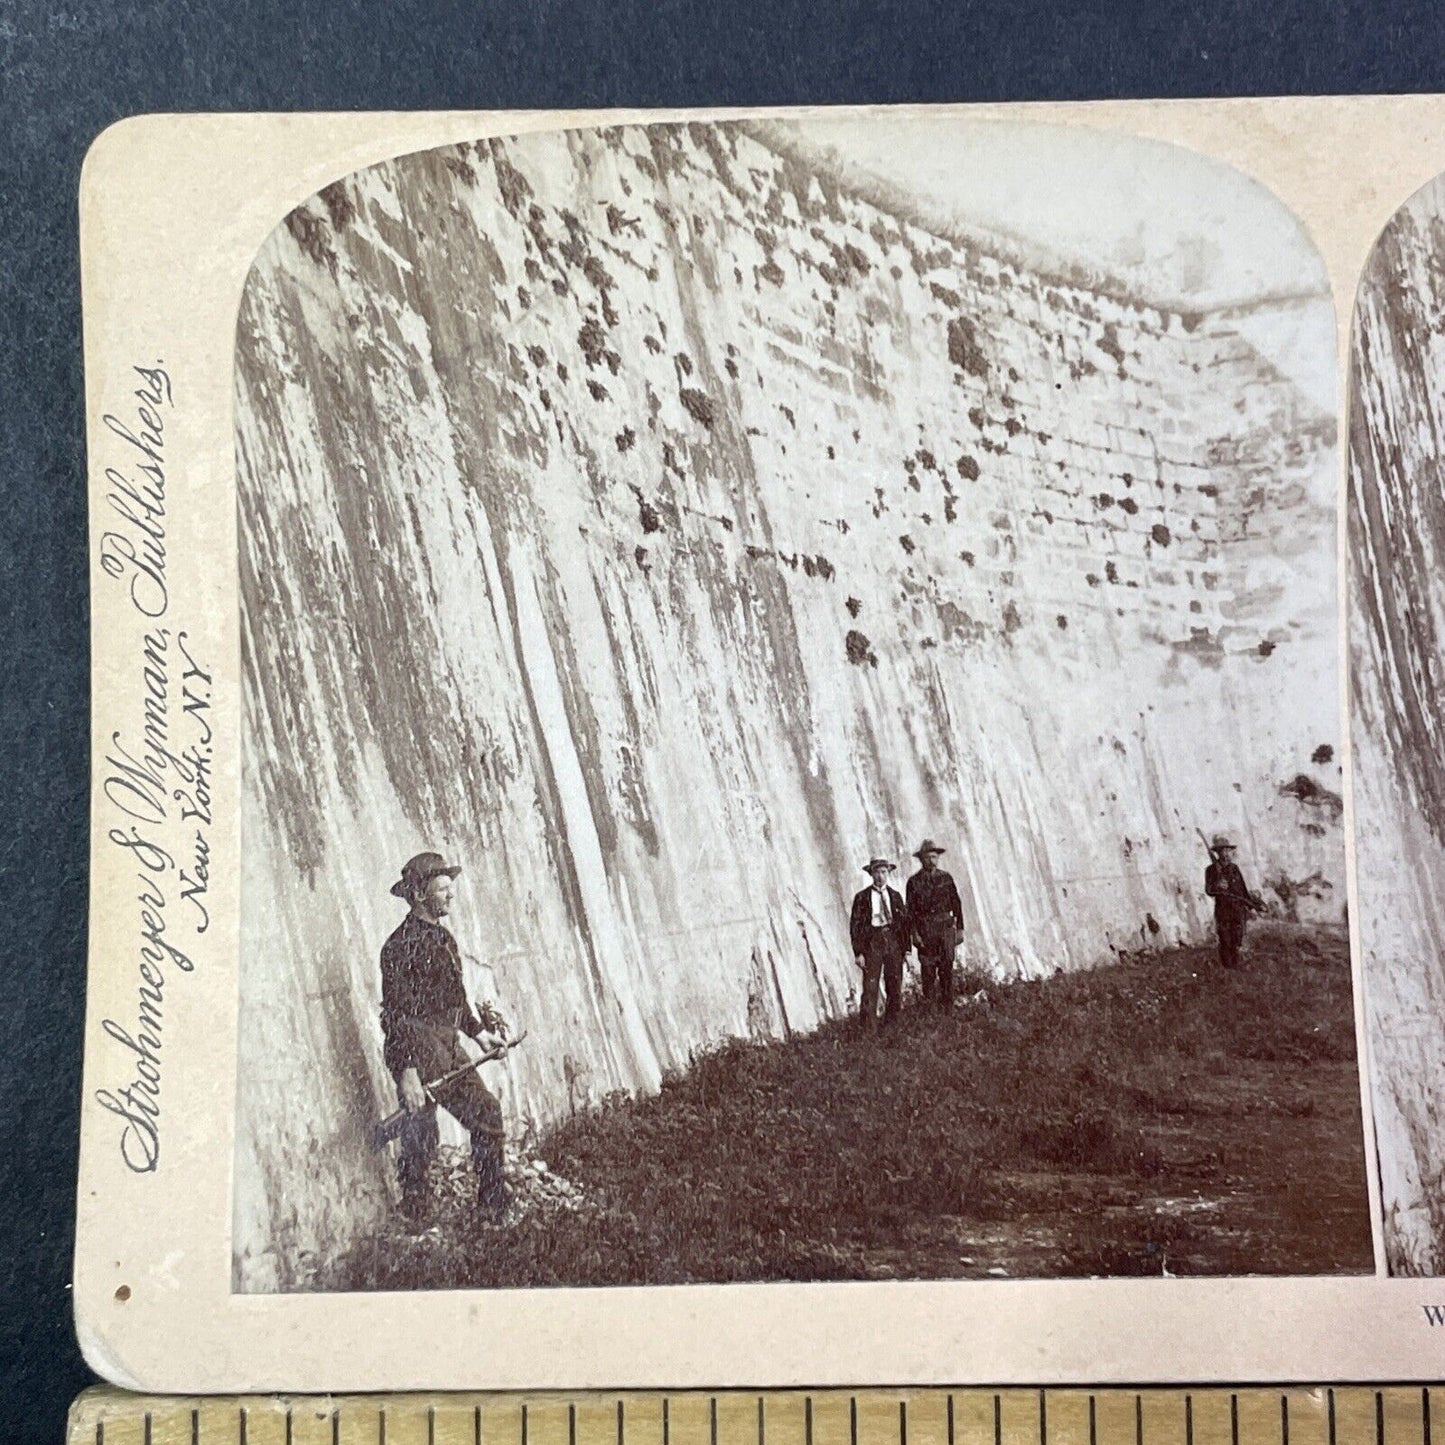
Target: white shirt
column 882, row 907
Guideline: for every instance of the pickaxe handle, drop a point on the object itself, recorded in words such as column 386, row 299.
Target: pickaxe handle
column 387, row 1130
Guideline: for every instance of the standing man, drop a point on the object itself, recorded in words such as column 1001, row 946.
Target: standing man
column 1233, row 901
column 424, row 1012
column 878, row 928
column 935, row 916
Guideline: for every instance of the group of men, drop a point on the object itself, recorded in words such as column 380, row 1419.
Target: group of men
column 425, row 1009
column 928, row 919
column 885, row 926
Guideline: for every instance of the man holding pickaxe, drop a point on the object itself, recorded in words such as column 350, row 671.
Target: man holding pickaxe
column 1233, row 902
column 424, row 1012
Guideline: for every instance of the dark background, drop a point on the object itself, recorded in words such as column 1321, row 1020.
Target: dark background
column 68, row 70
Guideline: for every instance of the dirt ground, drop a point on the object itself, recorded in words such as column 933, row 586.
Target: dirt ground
column 1160, row 1116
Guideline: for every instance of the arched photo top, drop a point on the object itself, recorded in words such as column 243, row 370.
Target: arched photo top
column 1146, row 222
column 1397, row 506
column 1176, row 228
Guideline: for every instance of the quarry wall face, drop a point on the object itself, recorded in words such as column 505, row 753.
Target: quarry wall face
column 1397, row 647
column 661, row 528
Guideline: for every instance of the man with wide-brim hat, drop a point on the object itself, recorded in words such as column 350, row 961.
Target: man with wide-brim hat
column 878, row 929
column 1233, row 902
column 935, row 917
column 424, row 1013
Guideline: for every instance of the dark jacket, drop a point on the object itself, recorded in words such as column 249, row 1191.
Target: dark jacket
column 1224, row 883
column 933, row 896
column 860, row 923
column 421, row 984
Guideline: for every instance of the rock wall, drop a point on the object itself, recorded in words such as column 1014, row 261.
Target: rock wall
column 662, row 528
column 1397, row 645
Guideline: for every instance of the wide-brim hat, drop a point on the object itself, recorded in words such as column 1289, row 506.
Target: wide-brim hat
column 1221, row 841
column 873, row 863
column 928, row 846
column 417, row 872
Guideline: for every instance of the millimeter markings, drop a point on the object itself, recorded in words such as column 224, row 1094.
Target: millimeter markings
column 1327, row 1415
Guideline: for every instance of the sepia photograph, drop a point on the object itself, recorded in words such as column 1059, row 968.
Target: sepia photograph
column 791, row 718
column 1397, row 654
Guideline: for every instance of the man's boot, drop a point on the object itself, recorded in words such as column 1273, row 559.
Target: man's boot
column 493, row 1196
column 416, row 1210
column 414, row 1177
column 418, row 1142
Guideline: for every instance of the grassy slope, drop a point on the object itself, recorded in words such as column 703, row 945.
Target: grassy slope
column 1157, row 1115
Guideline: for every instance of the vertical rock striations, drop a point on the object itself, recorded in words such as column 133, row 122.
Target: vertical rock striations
column 662, row 528
column 1397, row 650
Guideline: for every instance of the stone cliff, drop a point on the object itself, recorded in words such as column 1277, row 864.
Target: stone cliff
column 662, row 528
column 1397, row 649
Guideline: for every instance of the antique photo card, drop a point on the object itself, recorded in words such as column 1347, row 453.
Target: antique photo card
column 711, row 728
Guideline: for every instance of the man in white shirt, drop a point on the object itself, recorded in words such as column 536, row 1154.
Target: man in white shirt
column 878, row 928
